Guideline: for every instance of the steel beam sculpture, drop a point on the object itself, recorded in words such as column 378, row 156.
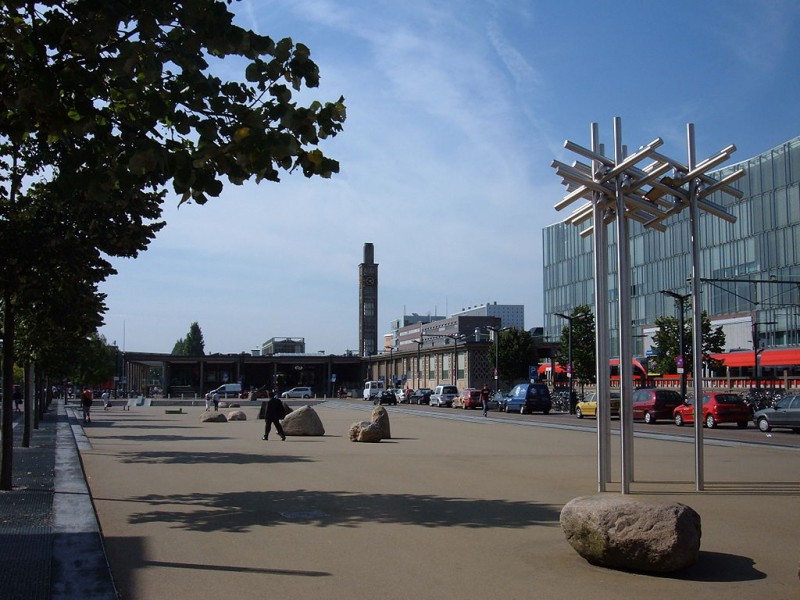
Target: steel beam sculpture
column 623, row 189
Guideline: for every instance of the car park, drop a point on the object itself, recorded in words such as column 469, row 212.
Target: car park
column 588, row 407
column 652, row 404
column 784, row 414
column 298, row 392
column 443, row 395
column 420, row 396
column 385, row 397
column 718, row 407
column 528, row 398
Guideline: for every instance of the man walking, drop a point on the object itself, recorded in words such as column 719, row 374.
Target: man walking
column 274, row 413
column 485, row 399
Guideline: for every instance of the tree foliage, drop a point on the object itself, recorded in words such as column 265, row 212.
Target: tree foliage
column 584, row 347
column 192, row 344
column 517, row 352
column 666, row 344
column 103, row 105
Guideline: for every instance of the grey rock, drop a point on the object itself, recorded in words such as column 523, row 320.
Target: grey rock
column 303, row 421
column 237, row 415
column 622, row 533
column 365, row 431
column 380, row 417
column 213, row 417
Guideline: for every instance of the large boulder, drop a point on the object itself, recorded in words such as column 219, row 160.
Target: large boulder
column 380, row 417
column 622, row 533
column 365, row 431
column 213, row 417
column 237, row 415
column 303, row 421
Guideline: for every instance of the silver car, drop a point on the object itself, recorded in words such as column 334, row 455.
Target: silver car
column 298, row 392
column 444, row 395
column 785, row 413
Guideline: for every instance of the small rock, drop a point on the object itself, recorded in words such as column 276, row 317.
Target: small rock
column 213, row 417
column 365, row 431
column 303, row 421
column 237, row 415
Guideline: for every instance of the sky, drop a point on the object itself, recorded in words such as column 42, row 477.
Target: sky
column 455, row 112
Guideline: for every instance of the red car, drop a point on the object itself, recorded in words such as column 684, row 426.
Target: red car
column 718, row 407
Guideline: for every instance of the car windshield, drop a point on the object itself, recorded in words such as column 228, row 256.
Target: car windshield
column 729, row 399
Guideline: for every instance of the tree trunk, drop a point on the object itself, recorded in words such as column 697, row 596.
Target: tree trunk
column 7, row 445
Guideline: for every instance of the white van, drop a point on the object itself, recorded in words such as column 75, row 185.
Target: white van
column 373, row 389
column 229, row 389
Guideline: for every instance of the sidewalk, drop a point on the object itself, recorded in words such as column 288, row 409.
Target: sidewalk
column 50, row 541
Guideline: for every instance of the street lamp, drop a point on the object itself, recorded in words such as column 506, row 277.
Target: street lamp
column 757, row 350
column 496, row 331
column 680, row 299
column 419, row 343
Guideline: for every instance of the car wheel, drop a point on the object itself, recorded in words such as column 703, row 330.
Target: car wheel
column 648, row 418
column 579, row 412
column 679, row 419
column 741, row 424
column 522, row 409
column 763, row 424
column 710, row 422
column 306, row 396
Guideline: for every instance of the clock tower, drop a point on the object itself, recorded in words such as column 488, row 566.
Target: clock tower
column 368, row 303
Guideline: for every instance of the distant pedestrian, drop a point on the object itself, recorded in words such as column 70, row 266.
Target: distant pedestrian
column 106, row 400
column 17, row 395
column 86, row 404
column 485, row 399
column 208, row 400
column 274, row 413
column 215, row 400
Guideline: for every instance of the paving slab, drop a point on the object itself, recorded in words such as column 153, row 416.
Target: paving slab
column 458, row 506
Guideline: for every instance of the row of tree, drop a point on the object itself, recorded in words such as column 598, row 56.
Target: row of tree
column 102, row 106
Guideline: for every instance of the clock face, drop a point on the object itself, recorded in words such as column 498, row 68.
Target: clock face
column 369, row 280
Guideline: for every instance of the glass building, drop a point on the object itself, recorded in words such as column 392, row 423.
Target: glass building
column 750, row 269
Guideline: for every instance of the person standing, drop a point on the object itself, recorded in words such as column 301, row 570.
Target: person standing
column 215, row 400
column 208, row 400
column 273, row 415
column 106, row 400
column 86, row 404
column 485, row 399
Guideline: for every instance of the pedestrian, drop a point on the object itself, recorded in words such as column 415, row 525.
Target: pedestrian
column 17, row 395
column 485, row 399
column 86, row 404
column 208, row 400
column 215, row 400
column 274, row 413
column 106, row 400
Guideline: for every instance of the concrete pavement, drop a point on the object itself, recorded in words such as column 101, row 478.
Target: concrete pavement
column 457, row 506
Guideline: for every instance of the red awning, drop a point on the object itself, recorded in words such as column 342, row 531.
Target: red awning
column 615, row 362
column 546, row 368
column 767, row 358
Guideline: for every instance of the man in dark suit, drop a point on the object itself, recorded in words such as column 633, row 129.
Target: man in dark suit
column 274, row 413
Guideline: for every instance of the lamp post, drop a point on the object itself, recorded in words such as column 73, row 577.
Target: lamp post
column 419, row 343
column 680, row 299
column 757, row 350
column 496, row 331
column 569, row 319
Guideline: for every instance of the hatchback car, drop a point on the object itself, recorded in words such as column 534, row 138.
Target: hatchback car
column 785, row 413
column 420, row 396
column 298, row 392
column 385, row 397
column 718, row 407
column 652, row 404
column 444, row 395
column 527, row 398
column 588, row 407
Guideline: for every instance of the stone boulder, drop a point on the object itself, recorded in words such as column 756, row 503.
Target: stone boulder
column 380, row 417
column 303, row 421
column 365, row 431
column 213, row 417
column 222, row 404
column 237, row 415
column 622, row 533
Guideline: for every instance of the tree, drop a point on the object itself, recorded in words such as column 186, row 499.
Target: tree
column 192, row 344
column 102, row 105
column 517, row 352
column 666, row 344
column 584, row 347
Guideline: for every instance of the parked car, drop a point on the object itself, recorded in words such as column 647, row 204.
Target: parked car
column 385, row 397
column 228, row 390
column 527, row 398
column 785, row 414
column 443, row 395
column 588, row 407
column 496, row 400
column 372, row 389
column 718, row 407
column 400, row 394
column 420, row 396
column 298, row 392
column 652, row 404
column 468, row 398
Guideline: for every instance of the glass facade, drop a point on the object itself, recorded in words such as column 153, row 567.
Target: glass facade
column 748, row 267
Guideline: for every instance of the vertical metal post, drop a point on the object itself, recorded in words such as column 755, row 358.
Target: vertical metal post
column 624, row 325
column 697, row 316
column 601, row 327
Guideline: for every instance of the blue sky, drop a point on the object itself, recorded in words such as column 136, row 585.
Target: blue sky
column 455, row 112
